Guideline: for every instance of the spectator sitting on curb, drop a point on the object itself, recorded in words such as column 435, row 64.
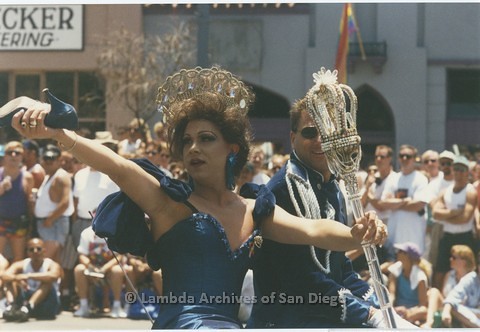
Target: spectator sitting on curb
column 32, row 285
column 96, row 263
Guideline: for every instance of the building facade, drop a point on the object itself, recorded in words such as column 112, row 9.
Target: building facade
column 419, row 83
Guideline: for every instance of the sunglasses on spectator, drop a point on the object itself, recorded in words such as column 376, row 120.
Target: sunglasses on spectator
column 445, row 163
column 11, row 152
column 35, row 249
column 405, row 156
column 309, row 132
column 164, row 155
column 49, row 158
column 460, row 169
column 151, row 152
column 430, row 161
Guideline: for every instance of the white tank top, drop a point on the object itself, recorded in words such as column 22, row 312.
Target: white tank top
column 27, row 268
column 44, row 205
column 457, row 201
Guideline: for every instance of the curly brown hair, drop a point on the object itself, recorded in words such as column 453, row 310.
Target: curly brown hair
column 213, row 107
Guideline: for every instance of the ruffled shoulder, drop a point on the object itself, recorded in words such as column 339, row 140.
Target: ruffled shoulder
column 122, row 222
column 177, row 190
column 264, row 200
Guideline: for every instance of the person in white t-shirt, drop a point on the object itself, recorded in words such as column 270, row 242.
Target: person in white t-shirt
column 375, row 183
column 91, row 187
column 257, row 158
column 454, row 210
column 402, row 195
column 96, row 262
column 431, row 194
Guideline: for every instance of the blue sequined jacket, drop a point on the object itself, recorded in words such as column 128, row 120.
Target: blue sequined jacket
column 298, row 285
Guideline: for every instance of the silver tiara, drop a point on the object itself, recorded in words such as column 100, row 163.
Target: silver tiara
column 193, row 83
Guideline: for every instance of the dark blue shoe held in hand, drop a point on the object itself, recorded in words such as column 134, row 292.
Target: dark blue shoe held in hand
column 62, row 115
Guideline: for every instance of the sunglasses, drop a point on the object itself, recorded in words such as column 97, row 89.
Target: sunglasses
column 429, row 161
column 445, row 163
column 164, row 155
column 309, row 132
column 153, row 153
column 11, row 152
column 379, row 156
column 460, row 169
column 405, row 156
column 35, row 249
column 49, row 158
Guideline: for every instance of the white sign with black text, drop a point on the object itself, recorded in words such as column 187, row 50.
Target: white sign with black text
column 41, row 28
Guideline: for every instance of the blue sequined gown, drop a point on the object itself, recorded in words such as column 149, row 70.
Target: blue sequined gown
column 202, row 274
column 198, row 263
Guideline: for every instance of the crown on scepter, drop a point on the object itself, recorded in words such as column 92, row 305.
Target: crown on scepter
column 327, row 105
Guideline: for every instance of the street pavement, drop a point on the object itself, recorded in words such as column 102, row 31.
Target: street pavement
column 66, row 322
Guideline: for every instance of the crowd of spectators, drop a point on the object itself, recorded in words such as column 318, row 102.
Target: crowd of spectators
column 50, row 255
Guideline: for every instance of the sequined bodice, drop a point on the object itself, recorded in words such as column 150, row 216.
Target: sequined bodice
column 198, row 263
column 202, row 274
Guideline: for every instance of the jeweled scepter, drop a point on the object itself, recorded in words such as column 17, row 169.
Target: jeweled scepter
column 326, row 105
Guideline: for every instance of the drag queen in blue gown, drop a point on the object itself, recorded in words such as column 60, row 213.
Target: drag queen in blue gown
column 202, row 235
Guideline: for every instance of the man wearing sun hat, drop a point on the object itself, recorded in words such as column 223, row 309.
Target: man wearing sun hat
column 454, row 209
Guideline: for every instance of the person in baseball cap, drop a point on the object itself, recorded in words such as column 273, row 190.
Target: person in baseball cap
column 51, row 152
column 461, row 160
column 410, row 248
column 409, row 282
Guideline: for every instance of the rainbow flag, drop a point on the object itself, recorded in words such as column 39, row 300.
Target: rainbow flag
column 348, row 26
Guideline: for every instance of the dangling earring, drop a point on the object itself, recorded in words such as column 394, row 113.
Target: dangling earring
column 230, row 177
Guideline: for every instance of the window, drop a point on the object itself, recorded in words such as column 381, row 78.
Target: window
column 27, row 85
column 83, row 90
column 463, row 108
column 463, row 86
column 61, row 85
column 3, row 88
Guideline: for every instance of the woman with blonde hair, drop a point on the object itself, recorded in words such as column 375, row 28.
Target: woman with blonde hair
column 462, row 261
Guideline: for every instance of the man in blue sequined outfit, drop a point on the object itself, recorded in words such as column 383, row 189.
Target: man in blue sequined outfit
column 308, row 289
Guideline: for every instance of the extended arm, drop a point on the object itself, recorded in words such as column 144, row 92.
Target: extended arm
column 283, row 227
column 140, row 186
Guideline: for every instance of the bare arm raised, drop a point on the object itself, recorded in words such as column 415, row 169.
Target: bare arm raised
column 140, row 186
